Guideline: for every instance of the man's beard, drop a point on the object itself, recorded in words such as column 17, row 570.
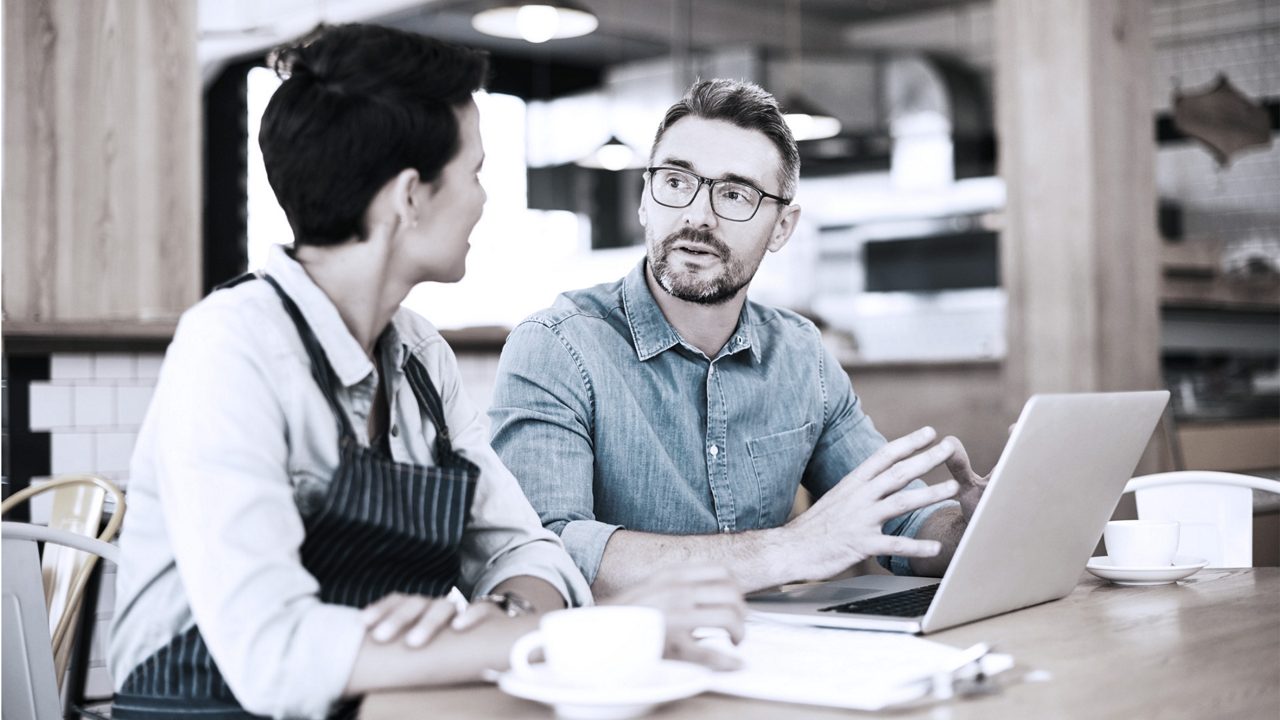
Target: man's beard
column 690, row 288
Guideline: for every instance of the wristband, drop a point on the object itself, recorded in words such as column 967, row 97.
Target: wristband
column 509, row 603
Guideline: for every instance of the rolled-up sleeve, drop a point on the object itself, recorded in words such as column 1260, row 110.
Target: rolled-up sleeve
column 848, row 438
column 235, row 530
column 542, row 418
column 504, row 538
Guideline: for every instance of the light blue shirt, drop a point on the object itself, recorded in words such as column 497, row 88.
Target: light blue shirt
column 609, row 419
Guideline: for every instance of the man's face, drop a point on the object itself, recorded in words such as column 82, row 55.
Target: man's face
column 694, row 254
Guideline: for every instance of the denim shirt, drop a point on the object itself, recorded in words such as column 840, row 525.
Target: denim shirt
column 609, row 419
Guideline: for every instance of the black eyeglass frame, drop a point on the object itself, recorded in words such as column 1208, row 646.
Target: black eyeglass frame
column 710, row 191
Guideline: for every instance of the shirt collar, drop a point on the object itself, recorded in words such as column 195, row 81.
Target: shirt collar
column 342, row 349
column 652, row 334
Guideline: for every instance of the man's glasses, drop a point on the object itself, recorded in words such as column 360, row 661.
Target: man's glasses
column 730, row 199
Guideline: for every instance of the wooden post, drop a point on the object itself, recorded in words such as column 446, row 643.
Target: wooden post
column 101, row 161
column 1079, row 254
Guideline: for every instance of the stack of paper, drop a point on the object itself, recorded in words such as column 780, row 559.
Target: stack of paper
column 837, row 668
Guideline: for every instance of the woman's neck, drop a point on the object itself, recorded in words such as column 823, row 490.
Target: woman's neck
column 356, row 277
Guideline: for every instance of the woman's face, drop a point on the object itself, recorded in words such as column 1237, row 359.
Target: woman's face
column 453, row 204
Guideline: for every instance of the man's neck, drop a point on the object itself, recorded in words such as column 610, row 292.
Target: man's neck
column 706, row 327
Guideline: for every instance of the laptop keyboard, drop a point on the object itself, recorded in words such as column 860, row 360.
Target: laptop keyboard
column 907, row 603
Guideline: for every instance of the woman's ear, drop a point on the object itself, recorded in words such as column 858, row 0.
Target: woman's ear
column 404, row 188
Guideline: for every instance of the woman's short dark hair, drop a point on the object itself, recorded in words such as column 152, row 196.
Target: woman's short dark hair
column 359, row 104
column 748, row 106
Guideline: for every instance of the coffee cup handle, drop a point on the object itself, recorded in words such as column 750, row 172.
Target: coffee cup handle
column 521, row 651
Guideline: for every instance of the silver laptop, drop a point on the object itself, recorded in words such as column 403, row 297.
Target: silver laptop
column 1051, row 493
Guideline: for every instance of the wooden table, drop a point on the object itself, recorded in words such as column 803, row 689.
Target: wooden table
column 1207, row 647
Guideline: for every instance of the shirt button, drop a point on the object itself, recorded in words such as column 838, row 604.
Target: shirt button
column 395, row 431
column 713, row 450
column 711, row 370
column 724, row 528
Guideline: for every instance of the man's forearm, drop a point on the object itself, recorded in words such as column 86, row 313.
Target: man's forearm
column 947, row 526
column 541, row 594
column 758, row 559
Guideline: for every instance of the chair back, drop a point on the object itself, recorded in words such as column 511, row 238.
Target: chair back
column 30, row 688
column 77, row 508
column 1214, row 511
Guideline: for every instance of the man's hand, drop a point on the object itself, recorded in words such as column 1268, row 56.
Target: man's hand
column 972, row 485
column 692, row 596
column 844, row 526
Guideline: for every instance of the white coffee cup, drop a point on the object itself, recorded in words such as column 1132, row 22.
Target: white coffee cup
column 596, row 647
column 1141, row 543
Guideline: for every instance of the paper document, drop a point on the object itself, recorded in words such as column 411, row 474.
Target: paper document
column 838, row 668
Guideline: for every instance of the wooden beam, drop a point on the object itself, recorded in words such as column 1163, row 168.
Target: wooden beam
column 1080, row 251
column 102, row 160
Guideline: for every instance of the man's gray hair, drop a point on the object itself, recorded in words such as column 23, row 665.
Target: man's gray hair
column 746, row 105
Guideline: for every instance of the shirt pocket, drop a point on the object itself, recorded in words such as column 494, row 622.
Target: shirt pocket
column 779, row 461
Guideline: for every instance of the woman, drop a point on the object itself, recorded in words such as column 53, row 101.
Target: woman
column 310, row 479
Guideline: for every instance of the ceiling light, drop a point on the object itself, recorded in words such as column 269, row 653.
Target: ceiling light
column 807, row 122
column 536, row 22
column 613, row 155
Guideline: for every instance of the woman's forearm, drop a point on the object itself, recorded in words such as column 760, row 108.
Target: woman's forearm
column 450, row 658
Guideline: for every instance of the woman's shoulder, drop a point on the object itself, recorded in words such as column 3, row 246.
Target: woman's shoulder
column 248, row 315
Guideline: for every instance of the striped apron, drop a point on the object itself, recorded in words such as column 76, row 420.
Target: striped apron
column 383, row 527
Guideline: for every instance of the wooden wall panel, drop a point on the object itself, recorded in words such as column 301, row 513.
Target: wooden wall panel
column 101, row 163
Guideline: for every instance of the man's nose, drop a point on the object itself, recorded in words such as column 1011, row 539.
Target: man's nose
column 699, row 212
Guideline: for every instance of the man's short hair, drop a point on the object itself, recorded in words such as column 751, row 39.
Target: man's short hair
column 359, row 104
column 746, row 105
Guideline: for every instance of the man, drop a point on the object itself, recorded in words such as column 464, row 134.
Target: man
column 664, row 418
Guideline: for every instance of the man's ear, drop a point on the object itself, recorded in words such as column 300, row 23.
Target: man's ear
column 784, row 227
column 641, row 213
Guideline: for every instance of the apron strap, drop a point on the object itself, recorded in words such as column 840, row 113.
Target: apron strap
column 429, row 399
column 320, row 369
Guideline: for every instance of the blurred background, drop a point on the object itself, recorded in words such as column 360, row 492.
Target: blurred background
column 1001, row 197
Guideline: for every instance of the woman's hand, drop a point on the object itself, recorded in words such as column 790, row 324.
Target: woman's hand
column 419, row 618
column 692, row 596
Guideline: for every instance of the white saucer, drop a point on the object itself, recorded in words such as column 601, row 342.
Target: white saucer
column 671, row 680
column 1183, row 566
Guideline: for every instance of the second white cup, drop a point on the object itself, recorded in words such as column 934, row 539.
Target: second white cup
column 1141, row 543
column 596, row 647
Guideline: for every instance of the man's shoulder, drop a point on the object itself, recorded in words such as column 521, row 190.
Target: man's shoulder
column 583, row 307
column 786, row 325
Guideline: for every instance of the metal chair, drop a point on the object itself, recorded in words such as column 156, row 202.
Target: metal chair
column 29, row 675
column 78, row 502
column 1214, row 511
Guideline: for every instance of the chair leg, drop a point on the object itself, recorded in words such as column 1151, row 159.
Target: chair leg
column 81, row 649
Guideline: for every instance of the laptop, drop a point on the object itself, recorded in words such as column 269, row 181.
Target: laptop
column 1050, row 496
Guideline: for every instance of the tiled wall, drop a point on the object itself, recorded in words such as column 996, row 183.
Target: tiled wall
column 92, row 406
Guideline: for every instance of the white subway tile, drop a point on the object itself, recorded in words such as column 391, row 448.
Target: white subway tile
column 97, row 683
column 106, row 594
column 148, row 366
column 71, row 453
column 95, row 406
column 131, row 404
column 70, row 366
column 40, row 506
column 50, row 406
column 113, row 451
column 114, row 366
column 98, row 643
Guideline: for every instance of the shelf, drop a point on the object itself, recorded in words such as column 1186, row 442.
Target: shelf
column 41, row 338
